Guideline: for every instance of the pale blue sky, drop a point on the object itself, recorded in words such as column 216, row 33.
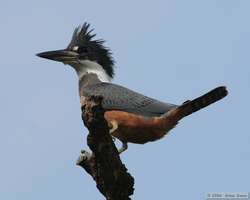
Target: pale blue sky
column 172, row 50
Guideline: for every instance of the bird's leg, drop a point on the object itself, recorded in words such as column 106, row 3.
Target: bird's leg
column 112, row 128
column 123, row 148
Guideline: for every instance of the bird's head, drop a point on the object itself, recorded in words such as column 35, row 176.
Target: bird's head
column 85, row 54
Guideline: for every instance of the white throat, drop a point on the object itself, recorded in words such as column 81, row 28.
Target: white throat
column 87, row 66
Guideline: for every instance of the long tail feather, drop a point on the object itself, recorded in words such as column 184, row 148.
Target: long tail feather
column 203, row 101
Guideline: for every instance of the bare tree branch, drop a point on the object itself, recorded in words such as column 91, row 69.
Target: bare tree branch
column 104, row 163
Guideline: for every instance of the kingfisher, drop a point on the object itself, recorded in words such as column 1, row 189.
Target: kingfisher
column 132, row 117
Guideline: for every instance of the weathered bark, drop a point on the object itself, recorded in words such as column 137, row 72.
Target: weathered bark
column 104, row 163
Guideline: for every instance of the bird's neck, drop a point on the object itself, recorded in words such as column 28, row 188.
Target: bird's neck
column 90, row 67
column 88, row 80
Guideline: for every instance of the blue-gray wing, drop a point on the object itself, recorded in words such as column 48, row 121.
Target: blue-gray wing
column 116, row 97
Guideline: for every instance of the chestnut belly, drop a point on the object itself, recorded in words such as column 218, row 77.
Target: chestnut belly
column 138, row 129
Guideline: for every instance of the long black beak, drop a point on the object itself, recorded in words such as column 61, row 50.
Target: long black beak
column 63, row 55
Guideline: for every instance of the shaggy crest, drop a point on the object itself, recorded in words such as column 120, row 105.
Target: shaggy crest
column 83, row 42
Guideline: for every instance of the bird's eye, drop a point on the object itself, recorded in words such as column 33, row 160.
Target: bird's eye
column 81, row 49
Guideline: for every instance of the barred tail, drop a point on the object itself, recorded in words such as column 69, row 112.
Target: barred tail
column 169, row 120
column 190, row 107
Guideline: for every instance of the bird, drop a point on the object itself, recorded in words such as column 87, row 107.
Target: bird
column 132, row 117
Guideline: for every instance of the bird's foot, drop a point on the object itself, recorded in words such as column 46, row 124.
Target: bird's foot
column 123, row 148
column 113, row 138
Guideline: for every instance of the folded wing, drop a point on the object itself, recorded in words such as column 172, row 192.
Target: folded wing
column 117, row 97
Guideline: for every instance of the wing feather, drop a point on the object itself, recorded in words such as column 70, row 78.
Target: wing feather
column 117, row 97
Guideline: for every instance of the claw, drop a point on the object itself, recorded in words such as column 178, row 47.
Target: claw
column 123, row 148
column 113, row 138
